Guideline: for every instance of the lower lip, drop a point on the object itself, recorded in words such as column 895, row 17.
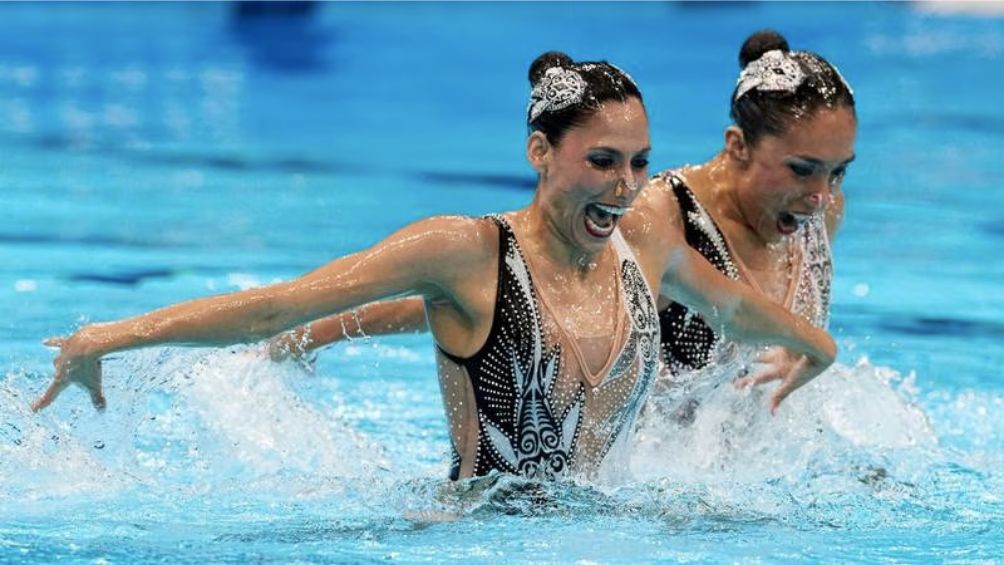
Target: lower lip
column 785, row 229
column 598, row 232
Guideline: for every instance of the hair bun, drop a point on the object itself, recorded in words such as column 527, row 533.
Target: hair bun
column 547, row 61
column 758, row 44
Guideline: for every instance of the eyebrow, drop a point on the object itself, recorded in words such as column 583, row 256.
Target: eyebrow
column 647, row 149
column 817, row 162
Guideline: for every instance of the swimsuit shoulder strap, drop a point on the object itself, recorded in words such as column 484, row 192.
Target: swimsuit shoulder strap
column 507, row 245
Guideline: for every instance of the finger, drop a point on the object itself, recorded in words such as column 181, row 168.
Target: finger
column 780, row 394
column 772, row 355
column 54, row 342
column 97, row 399
column 49, row 395
column 307, row 362
column 760, row 377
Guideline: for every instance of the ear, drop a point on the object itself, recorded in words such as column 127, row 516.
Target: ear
column 538, row 152
column 735, row 144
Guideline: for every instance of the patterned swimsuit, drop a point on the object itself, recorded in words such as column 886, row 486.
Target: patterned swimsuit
column 534, row 412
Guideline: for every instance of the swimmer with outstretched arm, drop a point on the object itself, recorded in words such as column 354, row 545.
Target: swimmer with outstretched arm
column 546, row 329
column 762, row 211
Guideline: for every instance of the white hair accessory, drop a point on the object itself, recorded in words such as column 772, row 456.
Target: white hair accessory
column 559, row 88
column 773, row 71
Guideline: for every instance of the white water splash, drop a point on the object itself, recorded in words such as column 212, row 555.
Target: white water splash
column 729, row 434
column 180, row 421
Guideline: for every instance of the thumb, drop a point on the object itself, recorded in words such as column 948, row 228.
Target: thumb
column 54, row 341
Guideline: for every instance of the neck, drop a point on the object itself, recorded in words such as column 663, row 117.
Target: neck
column 726, row 179
column 548, row 240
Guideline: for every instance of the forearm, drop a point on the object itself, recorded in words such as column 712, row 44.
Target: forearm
column 757, row 320
column 406, row 315
column 214, row 321
column 738, row 311
column 240, row 317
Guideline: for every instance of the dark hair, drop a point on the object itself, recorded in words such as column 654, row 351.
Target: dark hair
column 603, row 82
column 759, row 112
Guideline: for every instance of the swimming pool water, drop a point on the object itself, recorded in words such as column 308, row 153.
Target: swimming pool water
column 158, row 152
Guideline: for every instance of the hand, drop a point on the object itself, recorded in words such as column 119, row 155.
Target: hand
column 291, row 345
column 780, row 364
column 72, row 367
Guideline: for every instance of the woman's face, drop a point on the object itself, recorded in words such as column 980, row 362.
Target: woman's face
column 795, row 175
column 595, row 172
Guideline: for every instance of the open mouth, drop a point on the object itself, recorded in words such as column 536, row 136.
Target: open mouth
column 790, row 222
column 601, row 219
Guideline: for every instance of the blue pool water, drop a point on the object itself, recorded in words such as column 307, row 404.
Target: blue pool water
column 154, row 153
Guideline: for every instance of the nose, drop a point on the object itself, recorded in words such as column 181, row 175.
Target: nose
column 819, row 195
column 816, row 200
column 625, row 183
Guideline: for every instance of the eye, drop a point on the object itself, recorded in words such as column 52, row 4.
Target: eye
column 837, row 175
column 601, row 161
column 639, row 163
column 801, row 170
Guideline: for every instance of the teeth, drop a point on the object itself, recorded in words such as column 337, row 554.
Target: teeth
column 613, row 210
column 799, row 217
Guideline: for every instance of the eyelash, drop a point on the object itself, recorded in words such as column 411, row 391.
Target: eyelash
column 801, row 170
column 602, row 162
column 837, row 176
column 606, row 163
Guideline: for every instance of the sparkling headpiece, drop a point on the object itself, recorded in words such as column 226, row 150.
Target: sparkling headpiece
column 773, row 71
column 559, row 88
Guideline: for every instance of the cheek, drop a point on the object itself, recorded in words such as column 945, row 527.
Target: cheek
column 776, row 185
column 641, row 178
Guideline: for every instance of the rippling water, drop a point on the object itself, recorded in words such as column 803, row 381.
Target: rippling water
column 228, row 455
column 158, row 153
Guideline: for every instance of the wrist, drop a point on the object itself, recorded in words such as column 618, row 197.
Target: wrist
column 86, row 342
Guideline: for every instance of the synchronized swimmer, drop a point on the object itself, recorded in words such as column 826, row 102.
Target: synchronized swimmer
column 545, row 323
column 763, row 211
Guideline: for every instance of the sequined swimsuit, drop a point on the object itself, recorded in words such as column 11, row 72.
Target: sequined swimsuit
column 687, row 341
column 535, row 412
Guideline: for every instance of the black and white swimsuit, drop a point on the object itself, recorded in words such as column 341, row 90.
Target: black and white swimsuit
column 688, row 343
column 536, row 413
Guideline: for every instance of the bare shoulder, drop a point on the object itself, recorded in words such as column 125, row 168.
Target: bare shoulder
column 651, row 228
column 653, row 215
column 460, row 242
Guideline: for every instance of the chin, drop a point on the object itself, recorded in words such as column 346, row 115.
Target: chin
column 588, row 242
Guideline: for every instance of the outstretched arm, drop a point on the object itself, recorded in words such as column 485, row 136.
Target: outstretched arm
column 778, row 362
column 743, row 314
column 405, row 315
column 425, row 259
column 655, row 227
